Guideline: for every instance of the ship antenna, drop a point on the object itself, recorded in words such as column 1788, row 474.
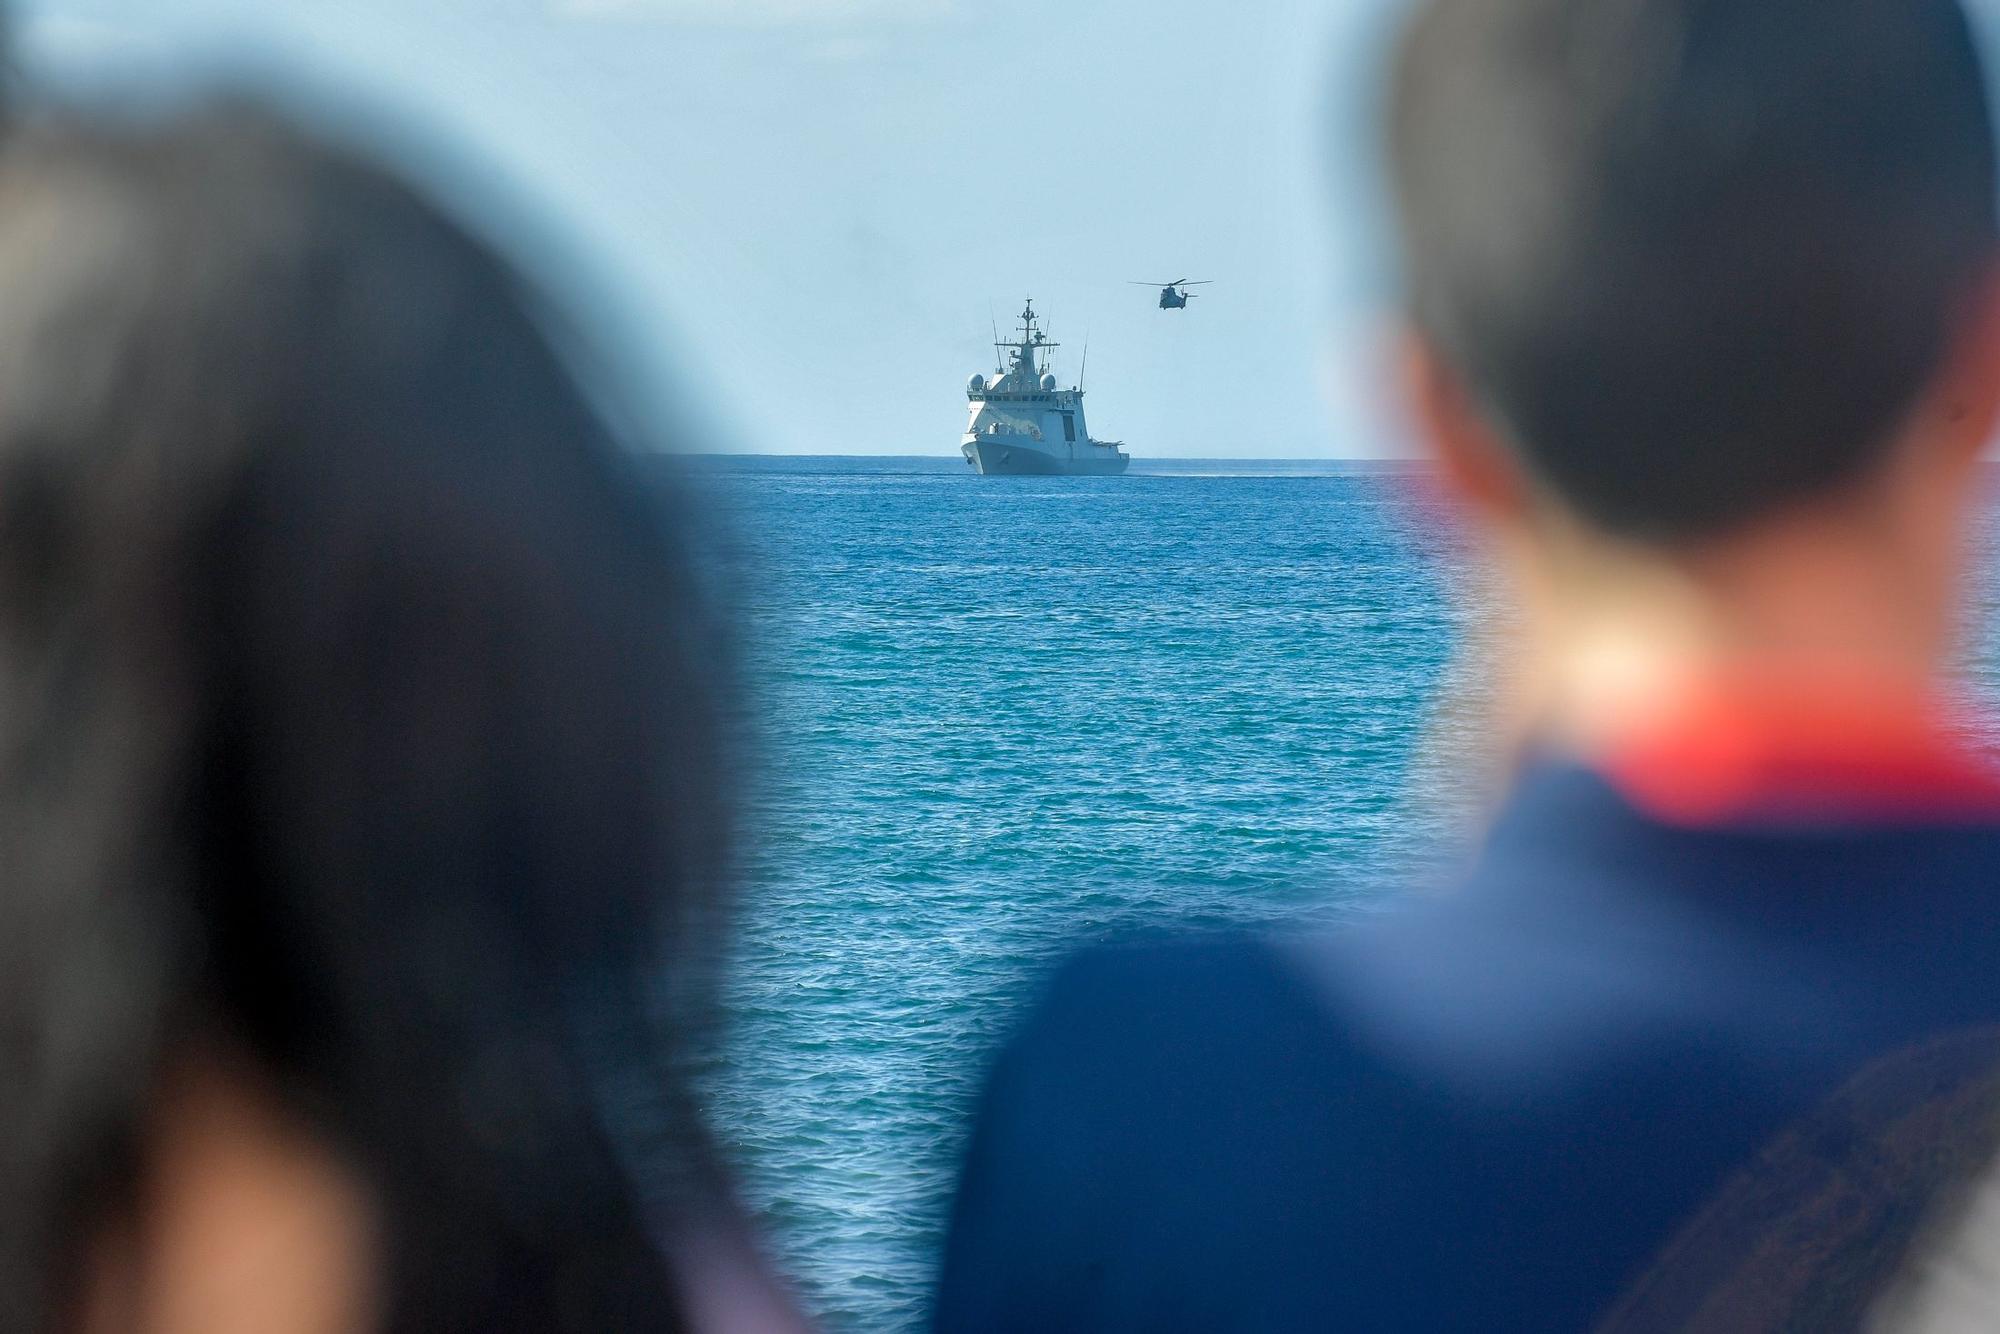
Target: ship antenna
column 1084, row 365
column 994, row 321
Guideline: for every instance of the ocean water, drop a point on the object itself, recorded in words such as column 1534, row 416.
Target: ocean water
column 1003, row 717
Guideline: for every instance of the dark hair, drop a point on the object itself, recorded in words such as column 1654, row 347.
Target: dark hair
column 1694, row 257
column 358, row 714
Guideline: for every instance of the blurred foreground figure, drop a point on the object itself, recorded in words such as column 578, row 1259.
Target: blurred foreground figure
column 1705, row 330
column 362, row 782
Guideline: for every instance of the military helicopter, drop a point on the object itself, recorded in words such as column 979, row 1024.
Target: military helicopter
column 1174, row 295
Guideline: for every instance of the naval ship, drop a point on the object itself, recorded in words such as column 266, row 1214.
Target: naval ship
column 1022, row 424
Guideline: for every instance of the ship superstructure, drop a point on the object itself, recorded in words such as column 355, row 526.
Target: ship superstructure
column 1022, row 423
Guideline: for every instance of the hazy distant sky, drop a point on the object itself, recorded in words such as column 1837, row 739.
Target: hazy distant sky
column 803, row 209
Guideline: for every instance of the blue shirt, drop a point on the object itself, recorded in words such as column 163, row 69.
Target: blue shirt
column 1629, row 1071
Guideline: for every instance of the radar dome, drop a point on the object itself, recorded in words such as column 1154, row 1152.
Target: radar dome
column 976, row 385
column 1049, row 382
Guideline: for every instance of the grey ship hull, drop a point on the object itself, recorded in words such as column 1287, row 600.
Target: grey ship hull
column 1002, row 459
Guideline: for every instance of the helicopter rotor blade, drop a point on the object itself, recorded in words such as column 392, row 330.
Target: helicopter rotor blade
column 1201, row 283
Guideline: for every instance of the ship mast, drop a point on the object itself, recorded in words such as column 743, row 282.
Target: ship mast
column 1026, row 349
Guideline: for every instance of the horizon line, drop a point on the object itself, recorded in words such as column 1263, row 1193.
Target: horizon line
column 1137, row 458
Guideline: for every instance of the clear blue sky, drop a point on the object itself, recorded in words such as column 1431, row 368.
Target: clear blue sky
column 804, row 207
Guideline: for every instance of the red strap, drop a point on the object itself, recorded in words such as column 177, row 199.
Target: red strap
column 1812, row 746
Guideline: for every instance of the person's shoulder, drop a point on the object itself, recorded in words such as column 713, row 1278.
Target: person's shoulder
column 1296, row 1085
column 1118, row 1007
column 1145, row 977
column 1156, row 1084
column 1144, row 1042
column 1483, row 992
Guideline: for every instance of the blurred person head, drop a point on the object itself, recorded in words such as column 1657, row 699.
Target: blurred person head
column 1704, row 320
column 363, row 786
column 1702, row 295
